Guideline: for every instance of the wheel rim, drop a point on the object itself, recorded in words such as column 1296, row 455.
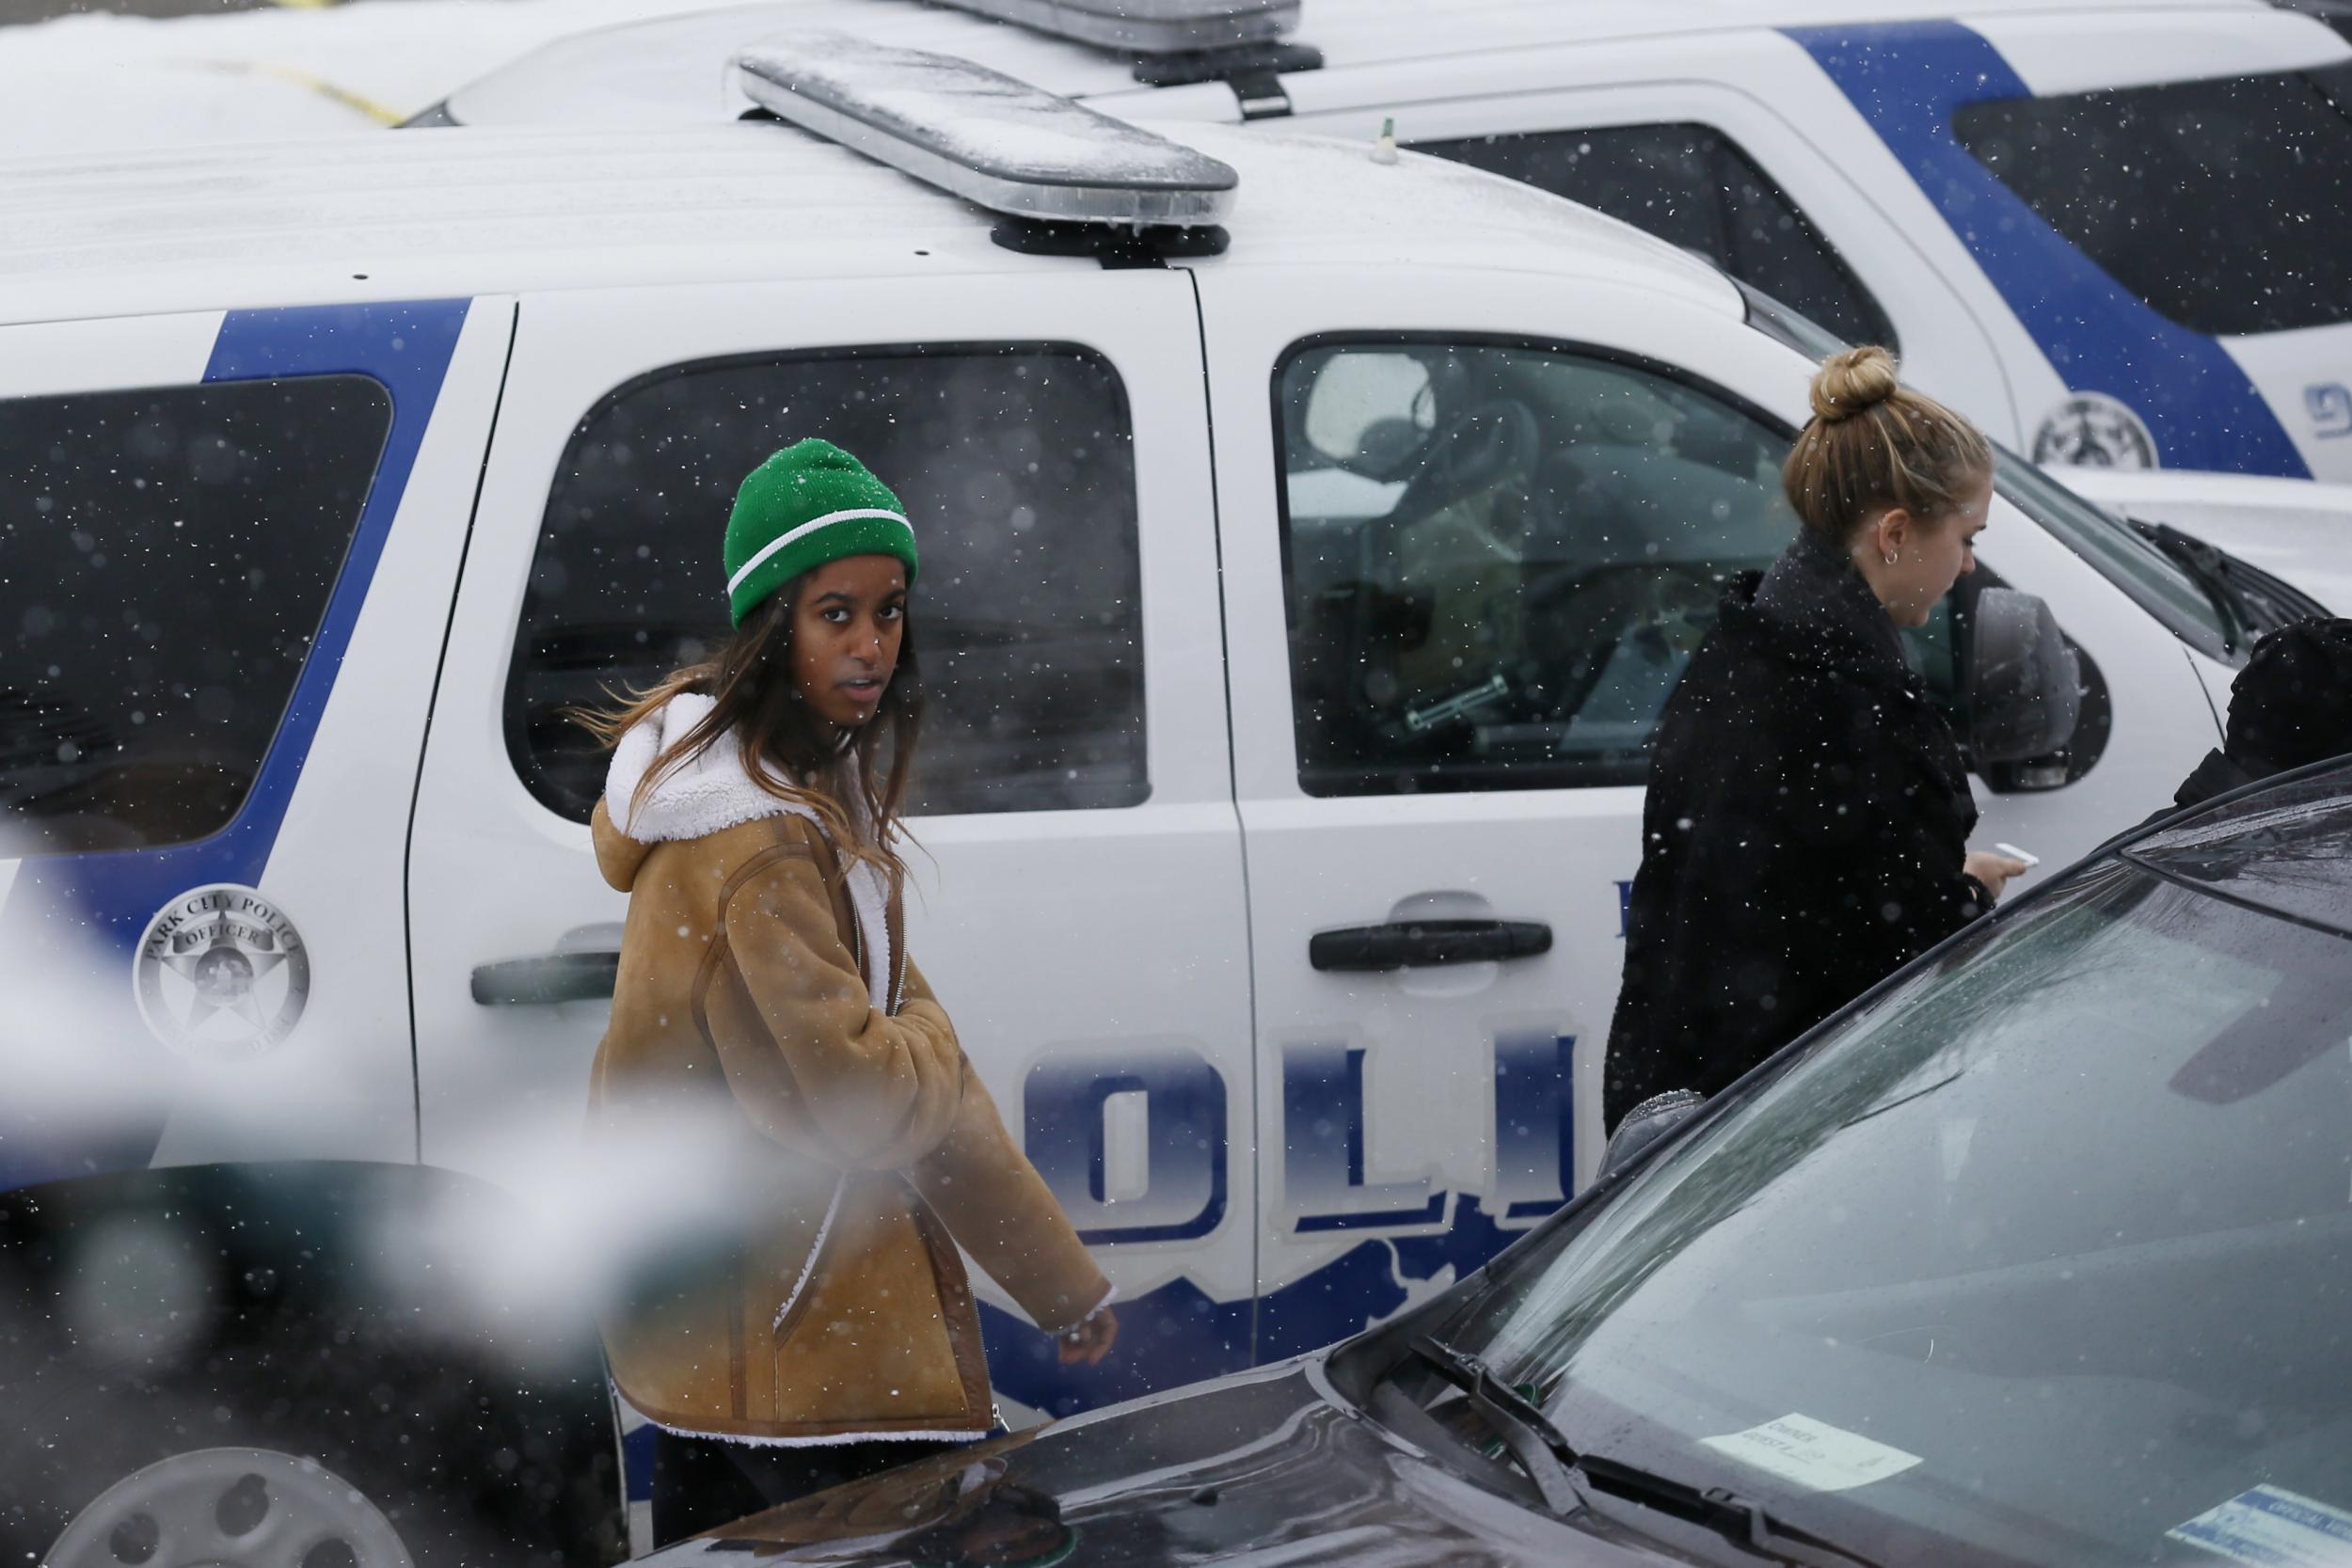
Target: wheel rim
column 230, row 1508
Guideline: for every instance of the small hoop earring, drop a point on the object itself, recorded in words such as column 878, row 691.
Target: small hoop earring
column 1890, row 557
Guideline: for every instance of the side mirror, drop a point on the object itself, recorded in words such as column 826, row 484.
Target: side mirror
column 1648, row 1122
column 2024, row 685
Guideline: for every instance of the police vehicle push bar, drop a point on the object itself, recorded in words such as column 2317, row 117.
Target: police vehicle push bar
column 980, row 135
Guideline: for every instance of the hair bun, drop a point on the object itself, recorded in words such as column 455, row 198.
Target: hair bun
column 1853, row 382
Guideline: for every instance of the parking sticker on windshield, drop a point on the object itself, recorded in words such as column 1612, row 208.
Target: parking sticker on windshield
column 1813, row 1454
column 2273, row 1526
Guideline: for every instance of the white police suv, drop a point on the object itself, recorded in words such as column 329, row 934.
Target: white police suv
column 2112, row 231
column 1310, row 540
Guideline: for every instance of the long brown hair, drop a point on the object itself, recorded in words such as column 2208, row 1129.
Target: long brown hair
column 780, row 738
column 1875, row 443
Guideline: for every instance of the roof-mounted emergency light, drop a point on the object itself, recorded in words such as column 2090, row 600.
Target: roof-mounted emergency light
column 1009, row 147
column 1147, row 27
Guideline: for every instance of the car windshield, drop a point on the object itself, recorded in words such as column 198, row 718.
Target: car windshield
column 2039, row 1257
column 2114, row 549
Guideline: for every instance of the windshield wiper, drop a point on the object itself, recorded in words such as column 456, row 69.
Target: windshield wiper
column 1533, row 1441
column 2209, row 569
column 1562, row 1474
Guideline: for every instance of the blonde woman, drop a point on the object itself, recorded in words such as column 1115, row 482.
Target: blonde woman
column 1805, row 830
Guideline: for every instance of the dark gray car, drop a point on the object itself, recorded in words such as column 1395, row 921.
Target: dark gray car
column 2041, row 1253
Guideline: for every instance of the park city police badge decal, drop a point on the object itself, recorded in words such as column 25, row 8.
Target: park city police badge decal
column 221, row 973
column 2096, row 429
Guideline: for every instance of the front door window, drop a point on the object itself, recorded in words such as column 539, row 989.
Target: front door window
column 1498, row 557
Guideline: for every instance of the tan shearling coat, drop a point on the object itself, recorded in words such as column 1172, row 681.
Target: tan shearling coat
column 761, row 985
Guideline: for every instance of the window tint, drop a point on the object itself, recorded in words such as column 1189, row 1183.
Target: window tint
column 166, row 558
column 2220, row 203
column 1499, row 558
column 1017, row 467
column 1693, row 186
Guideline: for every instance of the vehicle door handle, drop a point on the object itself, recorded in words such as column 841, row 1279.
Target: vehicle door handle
column 1411, row 944
column 549, row 978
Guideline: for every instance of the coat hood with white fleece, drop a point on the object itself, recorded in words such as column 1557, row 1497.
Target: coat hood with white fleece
column 708, row 792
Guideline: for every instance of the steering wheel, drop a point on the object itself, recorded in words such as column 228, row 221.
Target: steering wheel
column 1470, row 453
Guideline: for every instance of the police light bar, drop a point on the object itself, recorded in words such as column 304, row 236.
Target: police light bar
column 983, row 135
column 1147, row 27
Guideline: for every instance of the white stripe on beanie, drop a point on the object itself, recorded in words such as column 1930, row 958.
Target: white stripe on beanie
column 852, row 515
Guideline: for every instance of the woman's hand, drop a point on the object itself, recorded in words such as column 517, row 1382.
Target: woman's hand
column 1993, row 870
column 1090, row 1341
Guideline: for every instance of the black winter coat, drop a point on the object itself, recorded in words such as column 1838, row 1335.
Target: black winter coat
column 1802, row 836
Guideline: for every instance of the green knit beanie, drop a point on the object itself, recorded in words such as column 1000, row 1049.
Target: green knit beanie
column 810, row 503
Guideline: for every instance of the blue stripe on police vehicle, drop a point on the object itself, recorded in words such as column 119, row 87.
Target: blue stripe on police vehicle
column 2196, row 404
column 119, row 896
column 1177, row 1333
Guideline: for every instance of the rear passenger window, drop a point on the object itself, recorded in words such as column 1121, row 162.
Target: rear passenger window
column 1498, row 557
column 1017, row 467
column 165, row 559
column 2219, row 203
column 1693, row 186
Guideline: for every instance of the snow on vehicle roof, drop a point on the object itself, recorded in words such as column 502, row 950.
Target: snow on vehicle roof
column 458, row 211
column 654, row 70
column 1148, row 27
column 1372, row 32
column 674, row 68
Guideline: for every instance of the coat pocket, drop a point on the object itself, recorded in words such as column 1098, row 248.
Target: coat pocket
column 676, row 1349
column 866, row 1344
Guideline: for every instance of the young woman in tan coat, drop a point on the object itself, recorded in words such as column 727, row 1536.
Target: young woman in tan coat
column 765, row 987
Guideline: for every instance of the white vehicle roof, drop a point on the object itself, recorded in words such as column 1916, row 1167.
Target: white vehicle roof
column 675, row 68
column 462, row 212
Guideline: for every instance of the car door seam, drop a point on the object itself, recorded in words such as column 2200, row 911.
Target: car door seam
column 432, row 706
column 1233, row 784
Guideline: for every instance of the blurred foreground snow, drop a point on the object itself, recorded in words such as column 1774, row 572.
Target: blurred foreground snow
column 555, row 1219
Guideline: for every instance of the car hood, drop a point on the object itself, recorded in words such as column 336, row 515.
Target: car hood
column 1262, row 1467
column 2295, row 528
